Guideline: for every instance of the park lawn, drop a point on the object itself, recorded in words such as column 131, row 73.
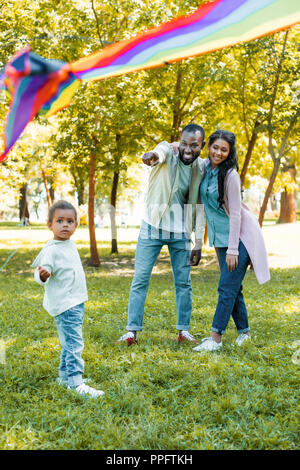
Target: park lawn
column 159, row 394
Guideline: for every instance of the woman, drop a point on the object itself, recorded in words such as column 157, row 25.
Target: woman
column 236, row 235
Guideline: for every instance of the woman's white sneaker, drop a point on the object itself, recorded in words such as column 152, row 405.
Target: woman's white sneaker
column 242, row 338
column 208, row 344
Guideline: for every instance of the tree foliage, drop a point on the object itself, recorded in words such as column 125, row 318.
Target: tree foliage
column 251, row 89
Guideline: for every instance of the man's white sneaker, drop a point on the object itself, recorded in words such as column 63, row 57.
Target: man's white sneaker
column 242, row 338
column 84, row 389
column 128, row 338
column 184, row 335
column 208, row 344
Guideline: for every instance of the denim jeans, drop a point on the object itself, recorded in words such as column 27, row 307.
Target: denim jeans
column 69, row 326
column 149, row 245
column 231, row 299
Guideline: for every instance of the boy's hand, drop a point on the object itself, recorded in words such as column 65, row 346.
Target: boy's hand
column 44, row 274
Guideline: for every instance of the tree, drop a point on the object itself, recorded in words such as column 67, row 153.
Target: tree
column 94, row 258
column 111, row 122
column 112, row 22
column 288, row 197
column 262, row 104
column 283, row 115
column 23, row 205
column 43, row 24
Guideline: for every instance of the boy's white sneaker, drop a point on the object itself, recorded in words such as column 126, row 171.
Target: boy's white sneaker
column 242, row 338
column 208, row 344
column 84, row 389
column 60, row 381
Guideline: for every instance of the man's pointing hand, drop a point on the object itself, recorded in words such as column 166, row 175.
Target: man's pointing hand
column 150, row 159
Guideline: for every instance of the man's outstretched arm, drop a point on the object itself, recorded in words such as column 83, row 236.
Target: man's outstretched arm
column 159, row 155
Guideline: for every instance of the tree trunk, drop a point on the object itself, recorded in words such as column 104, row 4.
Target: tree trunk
column 251, row 145
column 112, row 213
column 176, row 110
column 52, row 193
column 80, row 196
column 287, row 208
column 80, row 191
column 288, row 202
column 79, row 185
column 268, row 191
column 205, row 234
column 23, row 205
column 94, row 259
column 114, row 194
column 49, row 202
column 272, row 202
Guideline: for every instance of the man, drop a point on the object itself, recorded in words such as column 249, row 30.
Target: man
column 171, row 214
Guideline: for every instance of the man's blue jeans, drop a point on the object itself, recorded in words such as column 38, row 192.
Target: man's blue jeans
column 231, row 299
column 149, row 245
column 69, row 326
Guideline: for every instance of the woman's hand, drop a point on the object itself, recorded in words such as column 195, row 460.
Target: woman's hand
column 232, row 262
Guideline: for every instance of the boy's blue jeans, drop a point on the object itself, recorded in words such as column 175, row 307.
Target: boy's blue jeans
column 231, row 299
column 149, row 245
column 69, row 326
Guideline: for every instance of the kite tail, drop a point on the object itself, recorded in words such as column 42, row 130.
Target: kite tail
column 36, row 86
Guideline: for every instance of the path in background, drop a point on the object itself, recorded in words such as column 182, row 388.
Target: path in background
column 283, row 245
column 282, row 240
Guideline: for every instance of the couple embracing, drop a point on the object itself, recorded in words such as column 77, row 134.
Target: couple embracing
column 183, row 190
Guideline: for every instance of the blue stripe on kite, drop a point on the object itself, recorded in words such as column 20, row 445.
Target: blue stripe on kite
column 183, row 39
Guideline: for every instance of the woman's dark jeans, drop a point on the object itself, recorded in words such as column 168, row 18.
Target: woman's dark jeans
column 231, row 299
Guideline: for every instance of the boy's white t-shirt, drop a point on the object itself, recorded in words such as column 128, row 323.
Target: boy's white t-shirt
column 66, row 287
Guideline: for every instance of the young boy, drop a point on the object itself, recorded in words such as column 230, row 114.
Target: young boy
column 59, row 270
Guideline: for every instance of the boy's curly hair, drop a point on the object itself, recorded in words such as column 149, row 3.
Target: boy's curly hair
column 61, row 205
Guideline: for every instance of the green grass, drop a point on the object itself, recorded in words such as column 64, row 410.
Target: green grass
column 159, row 394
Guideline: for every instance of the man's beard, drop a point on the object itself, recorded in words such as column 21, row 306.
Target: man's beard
column 187, row 162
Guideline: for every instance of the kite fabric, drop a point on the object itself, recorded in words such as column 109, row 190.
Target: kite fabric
column 40, row 86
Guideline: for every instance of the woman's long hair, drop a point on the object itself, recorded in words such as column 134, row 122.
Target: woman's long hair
column 230, row 162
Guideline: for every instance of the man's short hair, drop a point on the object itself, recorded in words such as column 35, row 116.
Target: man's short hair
column 192, row 128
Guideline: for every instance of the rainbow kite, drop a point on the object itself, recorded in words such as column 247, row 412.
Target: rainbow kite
column 40, row 86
